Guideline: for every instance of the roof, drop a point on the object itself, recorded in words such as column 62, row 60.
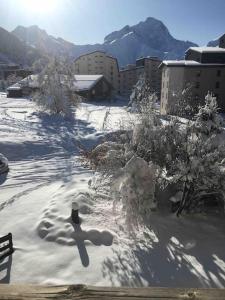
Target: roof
column 207, row 49
column 155, row 58
column 15, row 87
column 86, row 82
column 30, row 81
column 81, row 82
column 187, row 63
column 131, row 69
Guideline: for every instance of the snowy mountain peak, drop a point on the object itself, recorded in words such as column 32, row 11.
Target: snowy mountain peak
column 147, row 38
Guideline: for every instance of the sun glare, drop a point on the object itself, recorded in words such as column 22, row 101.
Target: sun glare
column 40, row 6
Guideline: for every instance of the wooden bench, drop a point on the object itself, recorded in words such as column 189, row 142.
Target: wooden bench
column 6, row 246
column 69, row 292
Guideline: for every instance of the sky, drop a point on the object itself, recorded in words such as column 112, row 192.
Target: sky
column 89, row 21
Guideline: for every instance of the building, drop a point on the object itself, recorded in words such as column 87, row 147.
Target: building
column 91, row 87
column 128, row 78
column 123, row 81
column 145, row 66
column 99, row 63
column 12, row 69
column 152, row 71
column 203, row 71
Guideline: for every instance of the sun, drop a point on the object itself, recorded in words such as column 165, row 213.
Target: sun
column 40, row 6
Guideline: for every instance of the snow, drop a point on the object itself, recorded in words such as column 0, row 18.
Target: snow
column 46, row 176
column 129, row 33
column 86, row 82
column 208, row 49
column 187, row 63
column 112, row 42
column 82, row 82
column 181, row 63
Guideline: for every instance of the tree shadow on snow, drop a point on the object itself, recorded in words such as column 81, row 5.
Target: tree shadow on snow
column 5, row 267
column 176, row 253
column 94, row 236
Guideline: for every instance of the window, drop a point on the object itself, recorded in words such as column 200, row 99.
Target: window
column 197, row 84
column 198, row 73
column 217, row 85
column 196, row 96
column 218, row 73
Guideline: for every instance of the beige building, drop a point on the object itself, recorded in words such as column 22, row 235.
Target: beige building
column 129, row 77
column 203, row 71
column 123, row 81
column 147, row 66
column 152, row 72
column 99, row 62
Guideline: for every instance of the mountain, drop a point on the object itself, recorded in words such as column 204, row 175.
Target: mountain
column 148, row 38
column 12, row 49
column 39, row 39
column 213, row 43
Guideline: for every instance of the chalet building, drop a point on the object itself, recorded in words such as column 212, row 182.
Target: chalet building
column 99, row 63
column 91, row 87
column 203, row 71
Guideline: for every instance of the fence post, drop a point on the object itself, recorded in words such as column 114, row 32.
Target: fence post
column 75, row 213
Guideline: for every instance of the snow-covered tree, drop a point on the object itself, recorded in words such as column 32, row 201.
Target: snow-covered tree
column 56, row 88
column 141, row 93
column 200, row 169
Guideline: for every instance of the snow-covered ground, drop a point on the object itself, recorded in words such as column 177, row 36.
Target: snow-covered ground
column 46, row 175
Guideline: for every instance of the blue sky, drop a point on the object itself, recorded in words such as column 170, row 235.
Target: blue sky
column 89, row 21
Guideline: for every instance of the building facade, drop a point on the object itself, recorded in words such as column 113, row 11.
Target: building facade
column 152, row 72
column 202, row 71
column 99, row 63
column 123, row 80
column 128, row 78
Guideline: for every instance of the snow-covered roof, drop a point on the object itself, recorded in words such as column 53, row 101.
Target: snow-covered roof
column 86, row 82
column 30, row 81
column 188, row 63
column 14, row 87
column 180, row 63
column 207, row 49
column 81, row 82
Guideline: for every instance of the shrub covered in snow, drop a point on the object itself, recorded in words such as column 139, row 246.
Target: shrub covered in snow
column 187, row 154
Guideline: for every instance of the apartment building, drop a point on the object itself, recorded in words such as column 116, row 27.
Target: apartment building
column 152, row 72
column 202, row 70
column 145, row 66
column 129, row 77
column 99, row 63
column 123, row 81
